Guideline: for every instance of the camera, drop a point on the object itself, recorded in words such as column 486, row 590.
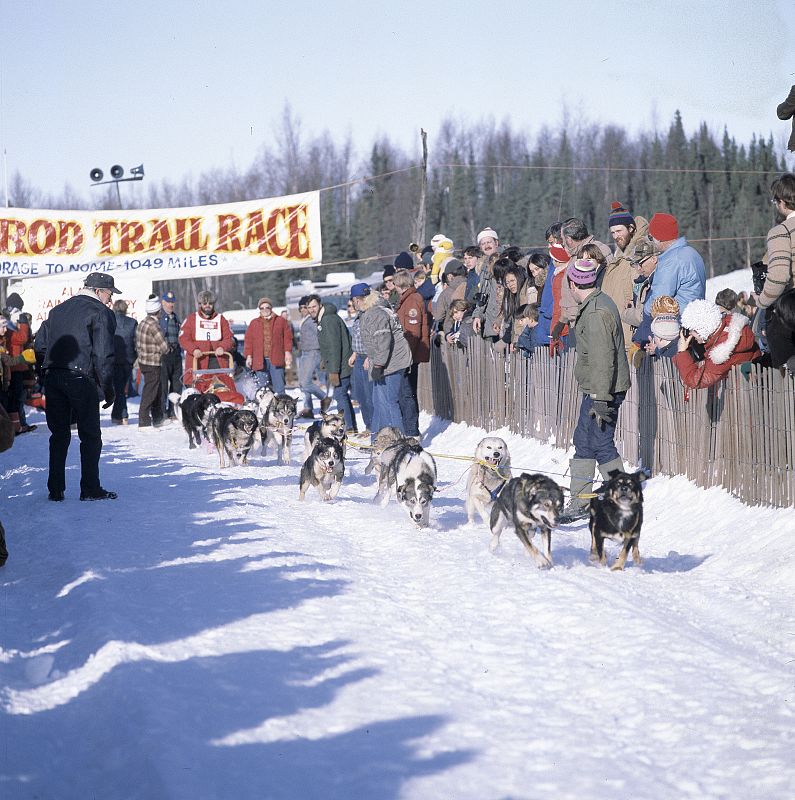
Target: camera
column 480, row 299
column 759, row 274
column 685, row 332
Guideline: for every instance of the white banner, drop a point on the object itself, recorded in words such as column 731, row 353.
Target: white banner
column 41, row 295
column 163, row 244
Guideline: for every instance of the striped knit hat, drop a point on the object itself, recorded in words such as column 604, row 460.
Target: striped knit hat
column 619, row 216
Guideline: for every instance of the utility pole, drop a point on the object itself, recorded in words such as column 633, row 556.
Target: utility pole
column 419, row 226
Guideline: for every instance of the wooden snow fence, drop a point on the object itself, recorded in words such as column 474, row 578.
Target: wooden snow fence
column 739, row 434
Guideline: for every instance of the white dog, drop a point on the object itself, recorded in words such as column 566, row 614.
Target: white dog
column 492, row 468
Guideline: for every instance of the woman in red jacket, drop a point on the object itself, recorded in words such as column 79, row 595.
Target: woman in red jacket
column 727, row 340
column 268, row 346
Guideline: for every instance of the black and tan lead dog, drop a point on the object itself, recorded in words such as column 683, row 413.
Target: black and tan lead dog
column 617, row 514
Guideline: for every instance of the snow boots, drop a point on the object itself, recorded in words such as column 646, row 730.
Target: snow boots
column 582, row 474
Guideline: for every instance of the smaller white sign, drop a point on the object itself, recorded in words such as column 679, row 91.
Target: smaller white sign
column 42, row 294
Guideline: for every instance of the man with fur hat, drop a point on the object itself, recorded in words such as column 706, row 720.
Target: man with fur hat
column 151, row 345
column 727, row 339
column 78, row 355
column 680, row 269
column 602, row 374
column 204, row 331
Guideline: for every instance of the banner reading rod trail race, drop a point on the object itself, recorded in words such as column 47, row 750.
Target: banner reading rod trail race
column 165, row 243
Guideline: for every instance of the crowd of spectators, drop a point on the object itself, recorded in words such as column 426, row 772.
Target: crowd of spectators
column 648, row 288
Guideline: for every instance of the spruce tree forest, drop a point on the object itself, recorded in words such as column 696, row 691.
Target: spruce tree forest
column 478, row 175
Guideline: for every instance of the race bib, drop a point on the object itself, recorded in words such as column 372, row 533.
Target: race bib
column 208, row 330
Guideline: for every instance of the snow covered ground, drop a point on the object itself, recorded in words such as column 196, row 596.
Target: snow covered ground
column 208, row 636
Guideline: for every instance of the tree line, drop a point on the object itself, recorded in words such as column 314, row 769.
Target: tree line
column 483, row 174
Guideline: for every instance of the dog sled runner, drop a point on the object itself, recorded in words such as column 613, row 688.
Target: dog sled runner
column 219, row 380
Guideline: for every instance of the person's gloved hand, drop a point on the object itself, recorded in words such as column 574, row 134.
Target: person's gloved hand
column 602, row 412
column 377, row 374
column 557, row 330
column 334, row 378
column 555, row 347
column 110, row 396
column 29, row 355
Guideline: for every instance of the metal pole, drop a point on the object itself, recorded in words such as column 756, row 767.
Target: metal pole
column 118, row 193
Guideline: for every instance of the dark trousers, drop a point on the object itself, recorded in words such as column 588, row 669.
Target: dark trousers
column 409, row 407
column 342, row 397
column 122, row 374
column 593, row 439
column 69, row 395
column 151, row 399
column 170, row 379
column 19, row 392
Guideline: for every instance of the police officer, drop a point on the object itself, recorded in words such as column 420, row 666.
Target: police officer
column 78, row 354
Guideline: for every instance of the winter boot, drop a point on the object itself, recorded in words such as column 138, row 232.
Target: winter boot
column 582, row 474
column 606, row 469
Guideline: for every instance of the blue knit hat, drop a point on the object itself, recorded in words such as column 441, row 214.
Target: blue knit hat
column 404, row 260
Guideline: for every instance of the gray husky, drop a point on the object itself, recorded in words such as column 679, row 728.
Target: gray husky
column 233, row 432
column 529, row 503
column 324, row 468
column 408, row 470
column 276, row 426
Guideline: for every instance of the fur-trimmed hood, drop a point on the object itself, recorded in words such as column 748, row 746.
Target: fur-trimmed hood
column 722, row 344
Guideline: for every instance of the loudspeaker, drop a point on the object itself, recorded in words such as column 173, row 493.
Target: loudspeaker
column 96, row 174
column 116, row 171
column 138, row 171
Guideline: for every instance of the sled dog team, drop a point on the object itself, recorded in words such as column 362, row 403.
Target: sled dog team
column 529, row 503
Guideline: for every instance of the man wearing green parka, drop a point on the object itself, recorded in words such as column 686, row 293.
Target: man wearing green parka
column 602, row 374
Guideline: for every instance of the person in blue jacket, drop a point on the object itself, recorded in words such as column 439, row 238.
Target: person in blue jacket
column 680, row 269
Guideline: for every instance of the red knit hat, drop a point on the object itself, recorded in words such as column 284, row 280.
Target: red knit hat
column 559, row 253
column 664, row 227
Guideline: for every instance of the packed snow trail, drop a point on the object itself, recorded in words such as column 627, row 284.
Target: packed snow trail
column 208, row 636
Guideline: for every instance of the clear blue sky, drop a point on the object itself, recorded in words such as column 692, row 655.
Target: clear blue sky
column 186, row 85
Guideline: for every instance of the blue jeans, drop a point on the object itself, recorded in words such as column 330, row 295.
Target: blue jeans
column 386, row 402
column 363, row 391
column 272, row 375
column 342, row 397
column 308, row 364
column 409, row 408
column 593, row 439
